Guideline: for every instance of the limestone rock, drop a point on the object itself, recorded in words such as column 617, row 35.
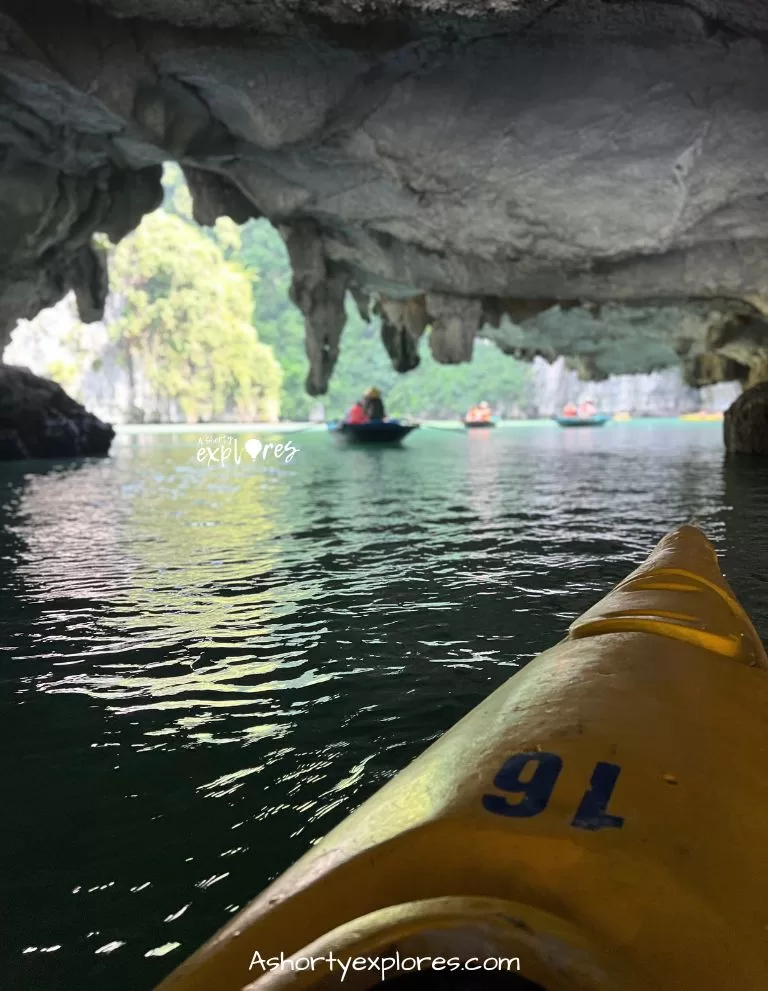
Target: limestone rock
column 709, row 368
column 455, row 322
column 495, row 157
column 402, row 324
column 214, row 197
column 745, row 425
column 659, row 393
column 319, row 293
column 39, row 420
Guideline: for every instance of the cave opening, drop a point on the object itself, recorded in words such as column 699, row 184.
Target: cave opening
column 202, row 323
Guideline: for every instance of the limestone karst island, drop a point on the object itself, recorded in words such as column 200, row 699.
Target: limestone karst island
column 383, row 487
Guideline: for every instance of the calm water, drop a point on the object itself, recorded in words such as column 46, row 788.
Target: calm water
column 203, row 669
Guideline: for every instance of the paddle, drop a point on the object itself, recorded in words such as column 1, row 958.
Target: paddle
column 446, row 429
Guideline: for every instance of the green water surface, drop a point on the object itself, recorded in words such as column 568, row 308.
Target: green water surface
column 204, row 667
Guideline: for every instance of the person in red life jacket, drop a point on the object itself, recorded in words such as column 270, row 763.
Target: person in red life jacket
column 479, row 414
column 356, row 414
column 570, row 410
column 484, row 414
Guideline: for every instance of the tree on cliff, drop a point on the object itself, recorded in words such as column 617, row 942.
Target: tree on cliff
column 184, row 323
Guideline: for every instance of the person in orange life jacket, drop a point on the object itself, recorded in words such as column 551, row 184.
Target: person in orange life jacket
column 570, row 410
column 373, row 406
column 356, row 414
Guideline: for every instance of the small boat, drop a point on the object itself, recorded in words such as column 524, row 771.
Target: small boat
column 583, row 421
column 373, row 432
column 597, row 823
column 702, row 417
column 480, row 424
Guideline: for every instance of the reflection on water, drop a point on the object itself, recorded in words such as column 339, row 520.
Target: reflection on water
column 203, row 669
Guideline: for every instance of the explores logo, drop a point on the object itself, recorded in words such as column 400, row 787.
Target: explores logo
column 224, row 449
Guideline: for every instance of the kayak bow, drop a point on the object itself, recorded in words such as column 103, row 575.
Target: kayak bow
column 601, row 817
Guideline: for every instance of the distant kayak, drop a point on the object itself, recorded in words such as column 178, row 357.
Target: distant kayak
column 702, row 417
column 600, row 817
column 480, row 424
column 374, row 432
column 583, row 421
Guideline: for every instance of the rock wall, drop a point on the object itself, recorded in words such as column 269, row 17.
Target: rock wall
column 745, row 427
column 39, row 420
column 83, row 358
column 660, row 393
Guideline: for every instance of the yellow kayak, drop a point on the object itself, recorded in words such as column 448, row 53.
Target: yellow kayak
column 707, row 417
column 599, row 822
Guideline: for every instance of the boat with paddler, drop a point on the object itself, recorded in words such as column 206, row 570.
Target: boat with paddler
column 372, row 432
column 480, row 424
column 598, row 420
column 479, row 417
column 599, row 820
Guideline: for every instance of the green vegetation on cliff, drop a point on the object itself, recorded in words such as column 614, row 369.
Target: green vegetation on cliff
column 184, row 322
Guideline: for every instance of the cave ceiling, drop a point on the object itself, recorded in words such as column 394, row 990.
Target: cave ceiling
column 459, row 166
